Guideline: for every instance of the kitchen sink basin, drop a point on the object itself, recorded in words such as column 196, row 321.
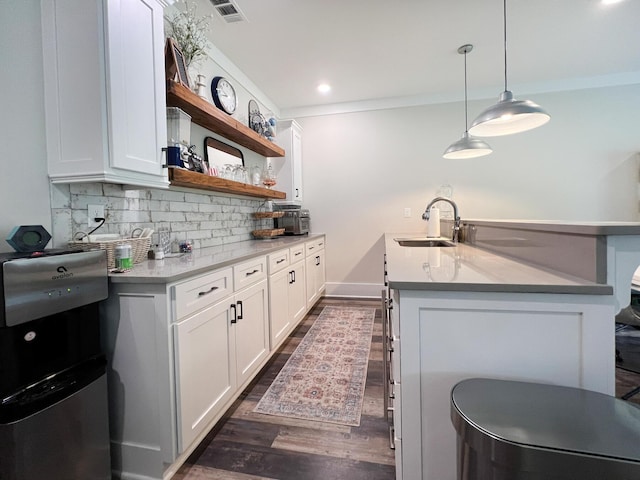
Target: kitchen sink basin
column 424, row 242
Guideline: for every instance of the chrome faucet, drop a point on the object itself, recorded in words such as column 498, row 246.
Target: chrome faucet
column 456, row 217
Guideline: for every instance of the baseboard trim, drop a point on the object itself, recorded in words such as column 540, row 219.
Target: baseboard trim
column 358, row 290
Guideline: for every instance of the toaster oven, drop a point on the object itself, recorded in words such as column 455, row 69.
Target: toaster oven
column 294, row 221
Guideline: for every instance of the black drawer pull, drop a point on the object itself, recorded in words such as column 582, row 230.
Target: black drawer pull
column 251, row 273
column 281, row 260
column 234, row 318
column 211, row 290
column 297, row 253
column 239, row 303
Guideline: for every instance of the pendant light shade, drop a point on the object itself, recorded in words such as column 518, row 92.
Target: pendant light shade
column 467, row 146
column 508, row 115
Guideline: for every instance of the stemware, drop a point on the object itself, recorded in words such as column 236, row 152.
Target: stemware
column 268, row 177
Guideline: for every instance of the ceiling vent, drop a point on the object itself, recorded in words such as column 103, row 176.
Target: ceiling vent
column 229, row 11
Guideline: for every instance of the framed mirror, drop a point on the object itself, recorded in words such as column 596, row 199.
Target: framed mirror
column 218, row 154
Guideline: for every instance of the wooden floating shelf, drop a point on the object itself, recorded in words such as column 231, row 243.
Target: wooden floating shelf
column 187, row 178
column 208, row 116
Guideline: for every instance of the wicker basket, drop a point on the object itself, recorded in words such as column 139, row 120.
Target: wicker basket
column 139, row 248
column 268, row 214
column 268, row 232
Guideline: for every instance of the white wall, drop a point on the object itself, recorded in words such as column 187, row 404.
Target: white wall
column 24, row 185
column 361, row 171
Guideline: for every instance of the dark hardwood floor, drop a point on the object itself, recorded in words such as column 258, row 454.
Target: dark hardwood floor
column 251, row 446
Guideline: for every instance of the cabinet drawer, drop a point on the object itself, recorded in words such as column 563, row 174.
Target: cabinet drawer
column 314, row 245
column 296, row 253
column 195, row 294
column 278, row 261
column 249, row 272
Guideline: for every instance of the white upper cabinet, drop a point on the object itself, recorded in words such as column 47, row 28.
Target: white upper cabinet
column 105, row 91
column 288, row 169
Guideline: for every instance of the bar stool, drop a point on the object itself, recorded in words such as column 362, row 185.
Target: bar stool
column 510, row 430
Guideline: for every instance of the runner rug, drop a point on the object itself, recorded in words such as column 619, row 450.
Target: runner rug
column 324, row 378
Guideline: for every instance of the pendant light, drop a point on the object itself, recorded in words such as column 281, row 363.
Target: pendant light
column 508, row 115
column 467, row 146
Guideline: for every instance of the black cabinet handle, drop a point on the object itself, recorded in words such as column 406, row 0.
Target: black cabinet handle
column 297, row 192
column 290, row 277
column 297, row 253
column 293, row 273
column 211, row 290
column 239, row 302
column 251, row 273
column 318, row 260
column 234, row 318
column 281, row 260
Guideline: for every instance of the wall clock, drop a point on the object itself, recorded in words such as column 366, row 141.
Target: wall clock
column 224, row 95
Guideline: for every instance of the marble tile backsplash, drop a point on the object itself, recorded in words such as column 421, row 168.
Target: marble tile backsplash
column 206, row 219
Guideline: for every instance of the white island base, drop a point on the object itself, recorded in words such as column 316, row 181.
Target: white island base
column 446, row 337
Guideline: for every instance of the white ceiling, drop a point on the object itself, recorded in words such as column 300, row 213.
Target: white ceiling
column 375, row 50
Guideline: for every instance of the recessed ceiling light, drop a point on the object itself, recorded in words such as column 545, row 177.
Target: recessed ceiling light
column 324, row 88
column 610, row 2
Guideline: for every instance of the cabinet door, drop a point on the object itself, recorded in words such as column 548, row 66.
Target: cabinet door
column 296, row 162
column 251, row 330
column 135, row 54
column 279, row 319
column 205, row 369
column 315, row 276
column 297, row 293
column 289, row 168
column 321, row 275
column 310, row 274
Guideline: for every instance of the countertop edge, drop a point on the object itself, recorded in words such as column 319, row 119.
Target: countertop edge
column 575, row 228
column 503, row 288
column 249, row 249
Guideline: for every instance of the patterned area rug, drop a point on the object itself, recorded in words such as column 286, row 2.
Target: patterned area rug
column 324, row 378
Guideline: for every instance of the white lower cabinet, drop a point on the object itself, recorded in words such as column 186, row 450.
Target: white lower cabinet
column 315, row 273
column 205, row 362
column 251, row 330
column 297, row 293
column 180, row 353
column 287, row 292
column 217, row 350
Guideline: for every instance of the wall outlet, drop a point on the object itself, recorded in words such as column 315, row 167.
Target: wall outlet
column 407, row 212
column 95, row 211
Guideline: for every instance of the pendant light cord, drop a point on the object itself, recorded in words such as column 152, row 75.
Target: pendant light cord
column 505, row 43
column 466, row 120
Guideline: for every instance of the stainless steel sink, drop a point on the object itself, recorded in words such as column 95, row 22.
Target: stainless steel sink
column 424, row 242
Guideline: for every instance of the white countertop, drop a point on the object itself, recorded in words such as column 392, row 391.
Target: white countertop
column 204, row 260
column 467, row 268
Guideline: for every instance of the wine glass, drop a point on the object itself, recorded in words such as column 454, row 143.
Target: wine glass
column 268, row 177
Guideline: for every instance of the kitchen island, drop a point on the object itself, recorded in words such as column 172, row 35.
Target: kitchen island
column 471, row 311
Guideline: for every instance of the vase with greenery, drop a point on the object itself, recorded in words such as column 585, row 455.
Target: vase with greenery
column 189, row 32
